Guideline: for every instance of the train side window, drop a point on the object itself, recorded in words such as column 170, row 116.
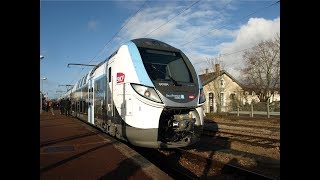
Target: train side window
column 109, row 77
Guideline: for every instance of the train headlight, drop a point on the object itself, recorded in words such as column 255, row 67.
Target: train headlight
column 202, row 97
column 147, row 92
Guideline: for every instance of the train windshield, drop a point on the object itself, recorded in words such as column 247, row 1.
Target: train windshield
column 165, row 66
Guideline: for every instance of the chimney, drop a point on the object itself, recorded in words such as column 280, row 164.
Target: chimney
column 206, row 71
column 217, row 69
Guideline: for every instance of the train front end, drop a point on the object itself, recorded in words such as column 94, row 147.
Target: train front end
column 173, row 102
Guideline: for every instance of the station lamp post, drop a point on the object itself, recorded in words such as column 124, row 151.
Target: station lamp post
column 42, row 79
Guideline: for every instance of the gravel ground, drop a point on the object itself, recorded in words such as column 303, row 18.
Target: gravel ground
column 260, row 159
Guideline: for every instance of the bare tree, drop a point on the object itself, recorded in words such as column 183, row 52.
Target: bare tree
column 262, row 67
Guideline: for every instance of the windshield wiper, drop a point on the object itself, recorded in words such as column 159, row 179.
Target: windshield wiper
column 174, row 81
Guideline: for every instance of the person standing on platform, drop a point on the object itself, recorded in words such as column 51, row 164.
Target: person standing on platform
column 61, row 106
column 51, row 107
column 68, row 106
column 48, row 106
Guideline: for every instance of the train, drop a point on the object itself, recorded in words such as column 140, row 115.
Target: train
column 147, row 93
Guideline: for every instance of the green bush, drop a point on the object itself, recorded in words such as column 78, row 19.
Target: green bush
column 275, row 106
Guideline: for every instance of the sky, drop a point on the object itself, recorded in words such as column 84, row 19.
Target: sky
column 88, row 32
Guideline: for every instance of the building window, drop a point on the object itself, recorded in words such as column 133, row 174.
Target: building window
column 222, row 99
column 232, row 96
column 222, row 82
column 211, row 102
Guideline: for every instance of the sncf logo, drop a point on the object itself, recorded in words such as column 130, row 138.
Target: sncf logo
column 120, row 77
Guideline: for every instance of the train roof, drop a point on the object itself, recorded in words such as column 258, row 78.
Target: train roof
column 153, row 44
column 97, row 66
column 141, row 42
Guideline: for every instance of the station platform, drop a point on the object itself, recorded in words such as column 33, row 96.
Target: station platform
column 72, row 149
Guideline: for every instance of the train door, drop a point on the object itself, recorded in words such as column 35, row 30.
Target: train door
column 91, row 102
column 109, row 87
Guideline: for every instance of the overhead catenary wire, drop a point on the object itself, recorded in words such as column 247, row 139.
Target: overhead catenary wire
column 101, row 51
column 228, row 54
column 173, row 18
column 115, row 35
column 236, row 21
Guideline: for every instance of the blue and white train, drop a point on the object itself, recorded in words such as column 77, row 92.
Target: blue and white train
column 147, row 93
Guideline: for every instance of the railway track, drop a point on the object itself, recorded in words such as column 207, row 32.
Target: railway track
column 175, row 162
column 226, row 170
column 254, row 132
column 271, row 128
column 247, row 139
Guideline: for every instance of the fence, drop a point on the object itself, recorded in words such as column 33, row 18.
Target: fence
column 258, row 108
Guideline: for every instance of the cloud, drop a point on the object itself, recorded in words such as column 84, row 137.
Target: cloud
column 254, row 31
column 152, row 22
column 249, row 35
column 93, row 25
column 201, row 32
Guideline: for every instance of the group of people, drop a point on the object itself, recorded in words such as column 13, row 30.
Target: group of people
column 65, row 106
column 48, row 105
